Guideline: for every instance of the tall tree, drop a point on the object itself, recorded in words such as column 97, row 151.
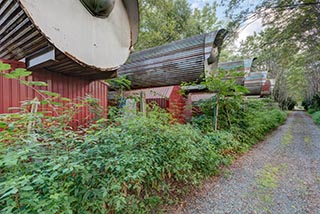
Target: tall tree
column 289, row 46
column 170, row 20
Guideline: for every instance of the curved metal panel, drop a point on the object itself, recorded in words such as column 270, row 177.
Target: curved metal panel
column 255, row 81
column 22, row 35
column 171, row 64
column 245, row 65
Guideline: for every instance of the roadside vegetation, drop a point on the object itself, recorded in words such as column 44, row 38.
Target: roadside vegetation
column 312, row 105
column 137, row 164
column 121, row 165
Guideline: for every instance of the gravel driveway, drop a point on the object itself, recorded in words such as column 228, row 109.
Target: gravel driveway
column 279, row 175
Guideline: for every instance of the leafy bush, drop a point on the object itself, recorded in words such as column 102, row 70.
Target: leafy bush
column 316, row 117
column 227, row 146
column 311, row 110
column 249, row 124
column 312, row 103
column 290, row 103
column 306, row 103
column 255, row 126
column 128, row 167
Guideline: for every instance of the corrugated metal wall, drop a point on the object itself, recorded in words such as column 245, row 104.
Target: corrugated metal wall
column 12, row 92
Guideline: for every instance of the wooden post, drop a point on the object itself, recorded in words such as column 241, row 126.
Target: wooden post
column 34, row 109
column 143, row 103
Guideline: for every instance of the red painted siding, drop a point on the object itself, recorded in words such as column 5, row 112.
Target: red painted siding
column 266, row 89
column 192, row 108
column 177, row 104
column 168, row 97
column 12, row 93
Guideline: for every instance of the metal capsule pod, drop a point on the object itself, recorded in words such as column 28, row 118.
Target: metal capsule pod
column 187, row 60
column 88, row 38
column 252, row 79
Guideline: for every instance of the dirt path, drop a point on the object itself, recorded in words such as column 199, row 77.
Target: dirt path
column 280, row 175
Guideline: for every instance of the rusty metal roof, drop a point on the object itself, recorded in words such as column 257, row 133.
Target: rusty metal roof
column 22, row 38
column 171, row 64
column 152, row 93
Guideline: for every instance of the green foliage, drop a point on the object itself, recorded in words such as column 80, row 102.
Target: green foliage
column 20, row 72
column 170, row 20
column 224, row 82
column 227, row 99
column 131, row 165
column 120, row 83
column 316, row 117
column 291, row 103
column 283, row 47
column 311, row 111
column 256, row 123
column 287, row 104
column 248, row 123
column 4, row 67
column 312, row 103
column 227, row 145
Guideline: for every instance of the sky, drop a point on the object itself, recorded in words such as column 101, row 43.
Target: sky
column 201, row 3
column 243, row 33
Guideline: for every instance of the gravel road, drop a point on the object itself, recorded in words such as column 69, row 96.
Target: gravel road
column 279, row 175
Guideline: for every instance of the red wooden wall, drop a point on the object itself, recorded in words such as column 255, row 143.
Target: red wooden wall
column 12, row 92
column 166, row 97
column 266, row 89
column 177, row 104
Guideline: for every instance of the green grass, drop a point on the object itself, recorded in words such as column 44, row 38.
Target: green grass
column 287, row 137
column 266, row 182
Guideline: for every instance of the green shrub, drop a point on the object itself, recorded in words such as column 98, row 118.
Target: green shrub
column 256, row 125
column 128, row 167
column 227, row 146
column 249, row 124
column 131, row 166
column 312, row 102
column 316, row 117
column 311, row 110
